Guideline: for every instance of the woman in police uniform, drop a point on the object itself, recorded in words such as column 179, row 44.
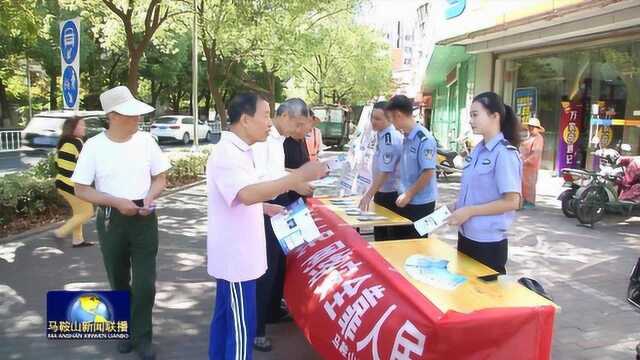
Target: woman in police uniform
column 491, row 183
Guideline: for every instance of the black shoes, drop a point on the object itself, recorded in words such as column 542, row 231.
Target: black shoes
column 262, row 343
column 125, row 346
column 145, row 351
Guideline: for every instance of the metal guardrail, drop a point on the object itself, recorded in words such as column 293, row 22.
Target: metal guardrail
column 10, row 140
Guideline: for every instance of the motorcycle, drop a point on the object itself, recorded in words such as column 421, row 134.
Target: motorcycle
column 603, row 193
column 574, row 179
column 450, row 161
column 577, row 180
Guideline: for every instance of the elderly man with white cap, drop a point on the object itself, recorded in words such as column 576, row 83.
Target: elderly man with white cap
column 127, row 170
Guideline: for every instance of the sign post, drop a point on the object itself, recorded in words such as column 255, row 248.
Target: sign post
column 70, row 62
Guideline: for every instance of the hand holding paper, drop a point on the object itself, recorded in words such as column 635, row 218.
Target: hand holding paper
column 430, row 223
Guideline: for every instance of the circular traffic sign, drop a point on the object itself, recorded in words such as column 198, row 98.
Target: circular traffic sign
column 69, row 41
column 70, row 86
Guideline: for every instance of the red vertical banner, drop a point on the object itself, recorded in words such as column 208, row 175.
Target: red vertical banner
column 571, row 114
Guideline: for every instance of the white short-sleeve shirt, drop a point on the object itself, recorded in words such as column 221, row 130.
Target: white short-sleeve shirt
column 269, row 156
column 122, row 170
column 236, row 248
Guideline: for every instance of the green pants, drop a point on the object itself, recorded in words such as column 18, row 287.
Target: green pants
column 129, row 247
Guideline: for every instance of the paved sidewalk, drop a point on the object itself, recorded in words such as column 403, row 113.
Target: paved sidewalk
column 585, row 270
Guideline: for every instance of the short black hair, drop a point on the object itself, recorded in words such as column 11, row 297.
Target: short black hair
column 382, row 105
column 244, row 103
column 402, row 104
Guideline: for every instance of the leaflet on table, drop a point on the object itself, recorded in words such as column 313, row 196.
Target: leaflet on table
column 295, row 227
column 430, row 223
column 432, row 272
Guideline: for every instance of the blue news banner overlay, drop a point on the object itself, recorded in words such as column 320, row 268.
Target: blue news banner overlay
column 91, row 315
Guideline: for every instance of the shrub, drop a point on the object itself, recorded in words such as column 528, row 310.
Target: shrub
column 45, row 168
column 186, row 170
column 23, row 195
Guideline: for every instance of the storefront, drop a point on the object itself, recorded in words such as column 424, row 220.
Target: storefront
column 451, row 94
column 567, row 84
column 574, row 64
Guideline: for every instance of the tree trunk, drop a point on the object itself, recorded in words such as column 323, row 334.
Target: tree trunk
column 320, row 95
column 155, row 93
column 53, row 92
column 134, row 67
column 207, row 103
column 5, row 117
column 218, row 100
column 271, row 80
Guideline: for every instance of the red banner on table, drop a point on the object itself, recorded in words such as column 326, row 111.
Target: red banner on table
column 351, row 304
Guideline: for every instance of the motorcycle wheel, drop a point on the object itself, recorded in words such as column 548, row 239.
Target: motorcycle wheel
column 568, row 203
column 590, row 208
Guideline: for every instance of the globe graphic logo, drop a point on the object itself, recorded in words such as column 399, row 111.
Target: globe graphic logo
column 89, row 308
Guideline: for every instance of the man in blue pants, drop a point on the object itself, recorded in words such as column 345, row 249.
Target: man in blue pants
column 236, row 246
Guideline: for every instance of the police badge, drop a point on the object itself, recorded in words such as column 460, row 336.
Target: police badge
column 387, row 157
column 428, row 153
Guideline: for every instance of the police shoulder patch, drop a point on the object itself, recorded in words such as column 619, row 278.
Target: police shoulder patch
column 387, row 139
column 421, row 135
column 508, row 145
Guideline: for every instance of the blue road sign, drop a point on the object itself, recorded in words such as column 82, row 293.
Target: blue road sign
column 69, row 41
column 70, row 86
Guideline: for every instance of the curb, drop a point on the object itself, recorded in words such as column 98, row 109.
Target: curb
column 48, row 227
column 32, row 232
column 22, row 152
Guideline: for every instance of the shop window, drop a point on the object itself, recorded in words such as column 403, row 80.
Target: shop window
column 608, row 76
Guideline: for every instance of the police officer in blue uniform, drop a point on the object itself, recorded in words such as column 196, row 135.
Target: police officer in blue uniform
column 491, row 183
column 385, row 168
column 418, row 185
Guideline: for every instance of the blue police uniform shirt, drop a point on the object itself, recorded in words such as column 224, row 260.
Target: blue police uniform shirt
column 387, row 157
column 491, row 170
column 419, row 154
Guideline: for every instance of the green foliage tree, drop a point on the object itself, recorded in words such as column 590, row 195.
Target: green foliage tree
column 134, row 23
column 346, row 63
column 19, row 29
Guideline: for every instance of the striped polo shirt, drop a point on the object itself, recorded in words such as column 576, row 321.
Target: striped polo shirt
column 66, row 159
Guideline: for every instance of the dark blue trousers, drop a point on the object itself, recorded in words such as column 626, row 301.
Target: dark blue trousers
column 233, row 326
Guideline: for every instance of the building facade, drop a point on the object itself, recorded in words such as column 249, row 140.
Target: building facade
column 574, row 64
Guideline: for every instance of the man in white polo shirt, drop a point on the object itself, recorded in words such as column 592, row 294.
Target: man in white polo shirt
column 128, row 170
column 236, row 246
column 291, row 118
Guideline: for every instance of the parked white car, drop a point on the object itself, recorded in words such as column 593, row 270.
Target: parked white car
column 180, row 128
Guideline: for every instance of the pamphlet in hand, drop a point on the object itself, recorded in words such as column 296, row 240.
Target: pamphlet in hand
column 335, row 163
column 430, row 223
column 295, row 227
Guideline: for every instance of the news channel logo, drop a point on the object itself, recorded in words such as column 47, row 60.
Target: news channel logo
column 88, row 315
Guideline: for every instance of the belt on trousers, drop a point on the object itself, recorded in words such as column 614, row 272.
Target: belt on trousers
column 107, row 212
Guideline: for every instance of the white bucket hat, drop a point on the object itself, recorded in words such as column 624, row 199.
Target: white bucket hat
column 535, row 122
column 120, row 100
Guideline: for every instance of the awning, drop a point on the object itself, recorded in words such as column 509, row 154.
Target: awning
column 443, row 59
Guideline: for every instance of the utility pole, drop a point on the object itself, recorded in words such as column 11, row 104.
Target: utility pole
column 194, row 67
column 29, row 88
